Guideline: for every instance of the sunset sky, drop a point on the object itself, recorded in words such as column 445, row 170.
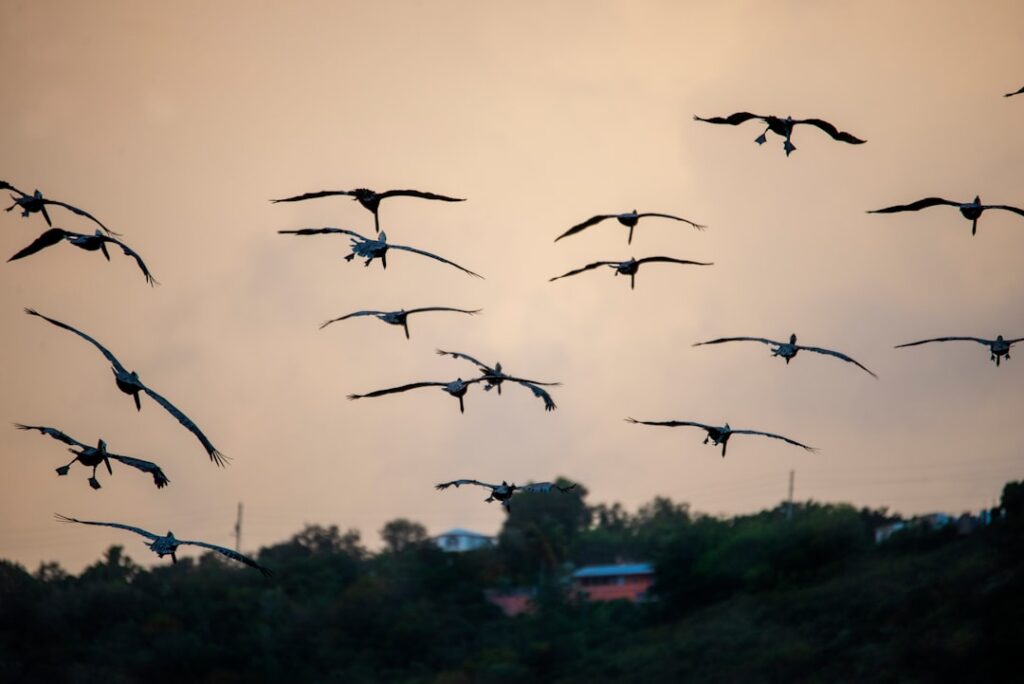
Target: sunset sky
column 176, row 124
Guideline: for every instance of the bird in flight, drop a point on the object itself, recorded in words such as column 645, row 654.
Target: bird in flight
column 456, row 388
column 89, row 243
column 1016, row 92
column 370, row 199
column 784, row 127
column 369, row 249
column 719, row 435
column 788, row 350
column 94, row 456
column 36, row 203
column 631, row 267
column 495, row 377
column 129, row 383
column 168, row 544
column 999, row 348
column 398, row 317
column 629, row 219
column 971, row 211
column 505, row 491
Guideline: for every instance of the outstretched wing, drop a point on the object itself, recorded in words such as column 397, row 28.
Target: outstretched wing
column 47, row 239
column 4, row 185
column 128, row 251
column 773, row 436
column 136, row 530
column 549, row 403
column 832, row 131
column 671, row 260
column 434, row 256
column 671, row 423
column 323, row 231
column 914, row 206
column 670, row 216
column 351, row 315
column 103, row 350
column 1005, row 207
column 731, row 120
column 593, row 220
column 421, row 195
column 838, row 355
column 443, row 308
column 80, row 212
column 53, row 432
column 945, row 339
column 314, row 195
column 232, row 554
column 393, row 390
column 1016, row 92
column 458, row 483
column 544, row 488
column 720, row 340
column 159, row 479
column 215, row 456
column 466, row 357
column 588, row 267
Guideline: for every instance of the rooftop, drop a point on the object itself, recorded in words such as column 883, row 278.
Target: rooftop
column 614, row 570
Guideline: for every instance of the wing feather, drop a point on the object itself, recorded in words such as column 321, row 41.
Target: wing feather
column 720, row 340
column 732, row 119
column 914, row 206
column 434, row 256
column 393, row 390
column 159, row 479
column 945, row 339
column 588, row 267
column 314, row 195
column 670, row 216
column 53, row 432
column 230, row 553
column 672, row 423
column 838, row 355
column 324, row 231
column 593, row 220
column 351, row 315
column 445, row 485
column 103, row 350
column 420, row 194
column 47, row 239
column 215, row 456
column 672, row 260
column 832, row 131
column 80, row 212
column 136, row 530
column 773, row 436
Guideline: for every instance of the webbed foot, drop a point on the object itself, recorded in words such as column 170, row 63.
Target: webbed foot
column 94, row 483
column 761, row 139
column 63, row 470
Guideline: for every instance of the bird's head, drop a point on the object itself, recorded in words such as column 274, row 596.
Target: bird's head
column 726, row 428
column 999, row 338
column 102, row 446
column 792, row 338
column 37, row 195
column 497, row 366
column 383, row 237
column 169, row 535
column 977, row 199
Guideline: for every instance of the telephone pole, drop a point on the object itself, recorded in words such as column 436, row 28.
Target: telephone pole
column 789, row 503
column 238, row 528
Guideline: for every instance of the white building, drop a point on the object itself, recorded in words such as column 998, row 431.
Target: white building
column 457, row 540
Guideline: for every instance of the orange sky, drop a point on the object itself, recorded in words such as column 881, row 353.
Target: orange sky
column 175, row 125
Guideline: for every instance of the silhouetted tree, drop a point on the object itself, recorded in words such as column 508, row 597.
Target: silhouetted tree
column 401, row 534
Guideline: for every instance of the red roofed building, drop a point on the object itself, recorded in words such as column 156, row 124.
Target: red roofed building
column 629, row 581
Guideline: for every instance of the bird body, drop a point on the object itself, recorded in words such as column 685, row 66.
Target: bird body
column 971, row 211
column 719, row 435
column 167, row 545
column 495, row 377
column 89, row 243
column 399, row 317
column 999, row 348
column 36, row 204
column 631, row 266
column 505, row 491
column 783, row 126
column 789, row 350
column 369, row 199
column 629, row 219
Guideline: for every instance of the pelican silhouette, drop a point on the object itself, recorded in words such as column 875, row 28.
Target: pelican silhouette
column 495, row 377
column 89, row 243
column 719, row 434
column 456, row 388
column 629, row 219
column 167, row 545
column 36, row 204
column 971, row 211
column 784, row 127
column 370, row 249
column 999, row 347
column 398, row 317
column 631, row 266
column 370, row 199
column 788, row 350
column 94, row 456
column 505, row 491
column 129, row 383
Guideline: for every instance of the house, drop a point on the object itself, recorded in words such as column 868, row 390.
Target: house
column 458, row 540
column 629, row 581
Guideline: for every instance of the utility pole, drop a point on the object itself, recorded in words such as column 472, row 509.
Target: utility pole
column 789, row 504
column 238, row 527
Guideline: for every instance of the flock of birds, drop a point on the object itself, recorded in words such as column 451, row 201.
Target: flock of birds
column 491, row 377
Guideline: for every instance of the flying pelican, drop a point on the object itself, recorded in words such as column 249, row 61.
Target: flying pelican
column 398, row 317
column 629, row 219
column 1016, row 92
column 129, row 383
column 971, row 211
column 168, row 544
column 630, row 267
column 719, row 435
column 36, row 203
column 373, row 249
column 505, row 491
column 94, row 456
column 456, row 388
column 788, row 350
column 370, row 199
column 495, row 377
column 783, row 127
column 89, row 243
column 998, row 347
